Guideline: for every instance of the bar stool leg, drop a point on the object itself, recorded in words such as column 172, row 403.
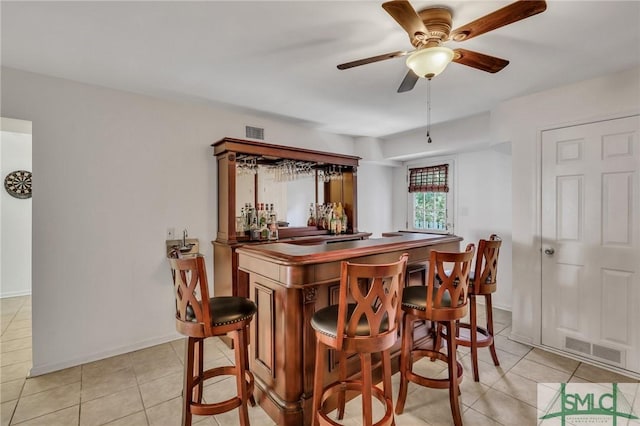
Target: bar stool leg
column 241, row 381
column 405, row 361
column 437, row 339
column 453, row 372
column 198, row 369
column 187, row 389
column 342, row 371
column 245, row 332
column 473, row 333
column 386, row 379
column 386, row 375
column 317, row 382
column 492, row 347
column 367, row 411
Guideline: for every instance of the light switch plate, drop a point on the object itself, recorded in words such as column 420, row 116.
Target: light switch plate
column 171, row 233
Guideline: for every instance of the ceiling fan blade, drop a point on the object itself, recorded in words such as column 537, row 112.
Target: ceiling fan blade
column 507, row 15
column 406, row 16
column 378, row 58
column 479, row 60
column 409, row 82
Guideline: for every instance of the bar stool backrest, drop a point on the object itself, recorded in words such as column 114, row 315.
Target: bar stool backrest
column 376, row 290
column 193, row 317
column 448, row 283
column 486, row 271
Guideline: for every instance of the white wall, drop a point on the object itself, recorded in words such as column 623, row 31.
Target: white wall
column 113, row 171
column 375, row 186
column 521, row 122
column 454, row 136
column 15, row 222
column 483, row 196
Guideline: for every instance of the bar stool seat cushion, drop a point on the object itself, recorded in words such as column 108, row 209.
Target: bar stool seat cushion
column 415, row 297
column 226, row 310
column 326, row 321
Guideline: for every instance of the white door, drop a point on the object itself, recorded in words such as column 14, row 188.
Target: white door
column 591, row 241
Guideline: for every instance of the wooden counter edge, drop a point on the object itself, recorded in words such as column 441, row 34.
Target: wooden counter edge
column 359, row 249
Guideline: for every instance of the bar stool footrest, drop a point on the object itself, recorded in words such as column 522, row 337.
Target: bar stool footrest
column 355, row 385
column 222, row 406
column 464, row 336
column 427, row 381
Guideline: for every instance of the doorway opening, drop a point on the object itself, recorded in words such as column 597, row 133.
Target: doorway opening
column 15, row 242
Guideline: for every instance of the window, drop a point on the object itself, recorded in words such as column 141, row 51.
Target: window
column 429, row 198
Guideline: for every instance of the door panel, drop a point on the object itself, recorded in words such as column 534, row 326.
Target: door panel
column 591, row 240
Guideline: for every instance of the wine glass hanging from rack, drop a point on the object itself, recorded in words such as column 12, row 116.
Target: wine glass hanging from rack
column 285, row 170
column 247, row 165
column 330, row 173
column 288, row 170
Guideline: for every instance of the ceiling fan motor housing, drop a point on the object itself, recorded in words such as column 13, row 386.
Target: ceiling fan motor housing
column 438, row 22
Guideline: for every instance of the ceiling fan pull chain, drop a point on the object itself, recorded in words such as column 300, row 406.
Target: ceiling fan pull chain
column 428, row 110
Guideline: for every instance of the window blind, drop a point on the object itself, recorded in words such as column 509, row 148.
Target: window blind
column 429, row 179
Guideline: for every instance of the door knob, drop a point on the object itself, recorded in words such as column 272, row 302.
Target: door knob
column 549, row 251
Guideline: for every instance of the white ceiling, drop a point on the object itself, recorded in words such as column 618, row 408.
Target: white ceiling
column 280, row 57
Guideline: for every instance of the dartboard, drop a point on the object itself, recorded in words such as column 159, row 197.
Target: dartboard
column 18, row 184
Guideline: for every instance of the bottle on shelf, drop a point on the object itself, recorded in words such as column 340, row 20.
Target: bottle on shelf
column 344, row 222
column 339, row 210
column 312, row 216
column 333, row 224
column 272, row 224
column 262, row 216
column 254, row 230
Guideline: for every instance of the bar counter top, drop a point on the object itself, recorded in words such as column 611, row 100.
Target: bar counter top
column 290, row 253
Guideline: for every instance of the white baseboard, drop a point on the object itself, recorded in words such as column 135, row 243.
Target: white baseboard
column 15, row 293
column 480, row 301
column 526, row 340
column 502, row 307
column 38, row 370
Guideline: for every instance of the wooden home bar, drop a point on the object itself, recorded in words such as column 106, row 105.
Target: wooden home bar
column 291, row 278
column 288, row 283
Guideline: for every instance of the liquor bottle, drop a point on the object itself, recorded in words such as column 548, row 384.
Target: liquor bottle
column 253, row 216
column 262, row 214
column 344, row 222
column 312, row 217
column 272, row 224
column 339, row 211
column 254, row 231
column 332, row 224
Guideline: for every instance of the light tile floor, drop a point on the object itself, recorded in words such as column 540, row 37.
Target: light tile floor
column 144, row 387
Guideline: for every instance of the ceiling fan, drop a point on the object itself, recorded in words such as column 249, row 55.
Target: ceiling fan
column 428, row 29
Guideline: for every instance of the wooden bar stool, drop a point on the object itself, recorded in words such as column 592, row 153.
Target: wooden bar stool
column 444, row 301
column 482, row 282
column 367, row 326
column 199, row 317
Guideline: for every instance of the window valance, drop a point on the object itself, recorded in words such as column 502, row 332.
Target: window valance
column 429, row 179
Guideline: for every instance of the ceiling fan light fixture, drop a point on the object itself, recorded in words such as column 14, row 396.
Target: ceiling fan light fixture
column 430, row 61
